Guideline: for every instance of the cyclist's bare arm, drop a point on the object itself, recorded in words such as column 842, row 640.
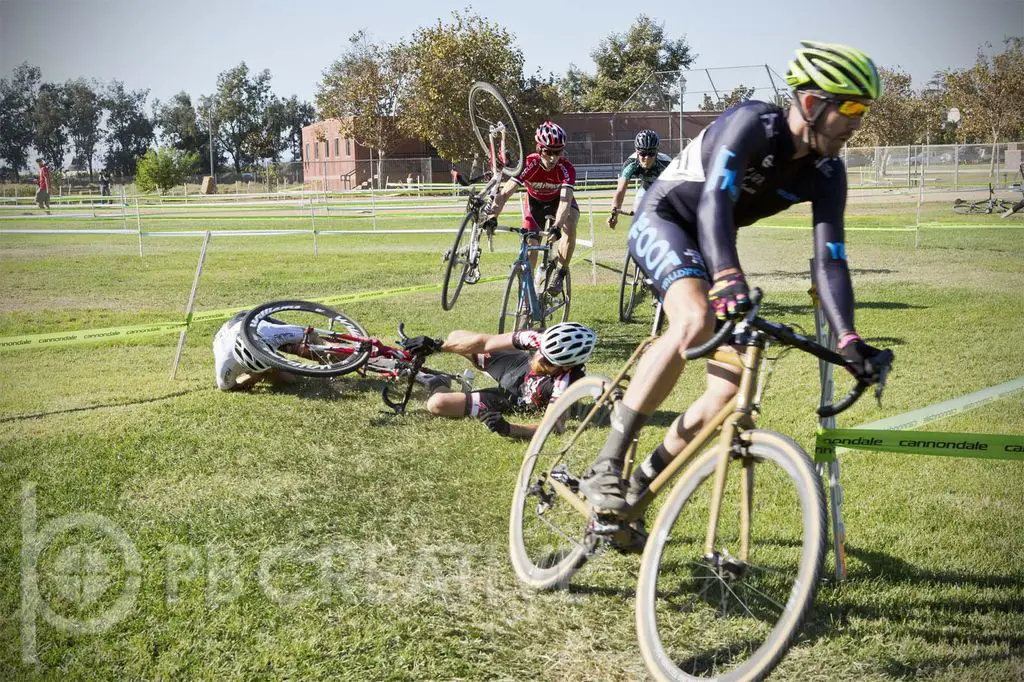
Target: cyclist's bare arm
column 564, row 212
column 620, row 193
column 502, row 196
column 468, row 343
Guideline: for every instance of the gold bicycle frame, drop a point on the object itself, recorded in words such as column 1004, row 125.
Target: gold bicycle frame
column 736, row 416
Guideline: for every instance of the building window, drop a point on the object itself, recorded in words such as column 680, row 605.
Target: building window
column 348, row 147
column 327, row 149
column 307, row 151
column 316, row 150
column 335, row 146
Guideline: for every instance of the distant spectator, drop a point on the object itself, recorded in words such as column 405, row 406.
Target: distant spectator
column 43, row 193
column 104, row 184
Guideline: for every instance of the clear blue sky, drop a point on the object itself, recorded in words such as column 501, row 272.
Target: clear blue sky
column 183, row 44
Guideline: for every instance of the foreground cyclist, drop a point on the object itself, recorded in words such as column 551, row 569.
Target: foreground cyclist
column 549, row 180
column 532, row 370
column 644, row 164
column 755, row 160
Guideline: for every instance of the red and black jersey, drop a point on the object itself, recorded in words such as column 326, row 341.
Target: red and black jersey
column 545, row 185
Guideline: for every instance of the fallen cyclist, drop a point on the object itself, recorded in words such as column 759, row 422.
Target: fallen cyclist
column 532, row 368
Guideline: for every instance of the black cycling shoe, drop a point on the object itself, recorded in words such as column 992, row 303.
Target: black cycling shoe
column 557, row 282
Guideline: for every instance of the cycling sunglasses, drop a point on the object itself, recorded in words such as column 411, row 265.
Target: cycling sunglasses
column 851, row 107
column 551, row 152
column 643, row 154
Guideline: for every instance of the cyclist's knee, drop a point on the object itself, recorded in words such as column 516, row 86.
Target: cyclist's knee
column 436, row 404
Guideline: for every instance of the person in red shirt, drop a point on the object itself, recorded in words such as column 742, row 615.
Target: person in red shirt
column 43, row 193
column 549, row 180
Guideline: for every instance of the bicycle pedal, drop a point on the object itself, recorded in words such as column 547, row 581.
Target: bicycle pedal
column 605, row 526
column 561, row 474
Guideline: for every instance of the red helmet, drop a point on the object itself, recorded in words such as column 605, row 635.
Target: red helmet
column 550, row 135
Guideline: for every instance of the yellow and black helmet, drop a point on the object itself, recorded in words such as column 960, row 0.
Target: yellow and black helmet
column 836, row 69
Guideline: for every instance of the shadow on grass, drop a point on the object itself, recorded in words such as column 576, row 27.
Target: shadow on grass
column 936, row 619
column 88, row 408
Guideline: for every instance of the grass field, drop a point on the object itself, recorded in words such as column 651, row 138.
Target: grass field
column 305, row 534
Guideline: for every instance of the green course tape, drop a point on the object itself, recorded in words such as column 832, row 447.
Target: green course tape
column 981, row 445
column 138, row 331
column 88, row 336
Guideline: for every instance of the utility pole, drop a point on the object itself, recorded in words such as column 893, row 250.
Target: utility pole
column 209, row 115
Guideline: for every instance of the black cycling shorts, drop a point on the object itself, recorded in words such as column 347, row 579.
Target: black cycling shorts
column 664, row 251
column 507, row 368
column 540, row 211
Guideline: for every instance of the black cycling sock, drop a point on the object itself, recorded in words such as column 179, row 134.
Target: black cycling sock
column 626, row 422
column 655, row 463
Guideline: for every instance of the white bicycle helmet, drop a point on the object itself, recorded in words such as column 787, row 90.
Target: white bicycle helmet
column 246, row 359
column 567, row 343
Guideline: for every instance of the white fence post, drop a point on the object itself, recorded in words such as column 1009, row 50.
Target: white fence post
column 189, row 306
column 138, row 225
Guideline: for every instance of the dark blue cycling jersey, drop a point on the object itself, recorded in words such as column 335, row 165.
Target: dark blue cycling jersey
column 736, row 171
column 632, row 169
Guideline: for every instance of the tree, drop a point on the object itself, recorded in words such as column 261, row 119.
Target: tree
column 892, row 119
column 572, row 87
column 539, row 99
column 182, row 129
column 49, row 122
column 627, row 61
column 444, row 61
column 740, row 93
column 363, row 90
column 297, row 115
column 990, row 93
column 17, row 98
column 164, row 168
column 129, row 131
column 84, row 111
column 241, row 114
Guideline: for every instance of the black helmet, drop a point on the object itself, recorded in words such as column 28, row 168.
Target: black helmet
column 646, row 140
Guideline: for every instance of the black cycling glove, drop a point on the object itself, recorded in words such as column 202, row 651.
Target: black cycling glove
column 422, row 345
column 495, row 422
column 864, row 361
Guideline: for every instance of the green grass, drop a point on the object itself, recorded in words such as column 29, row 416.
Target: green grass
column 382, row 540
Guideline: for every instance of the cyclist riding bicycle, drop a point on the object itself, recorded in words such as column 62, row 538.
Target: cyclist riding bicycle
column 645, row 164
column 236, row 367
column 532, row 369
column 753, row 161
column 549, row 180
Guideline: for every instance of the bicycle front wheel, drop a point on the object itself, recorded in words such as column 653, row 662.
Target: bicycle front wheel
column 515, row 312
column 547, row 536
column 732, row 614
column 305, row 338
column 631, row 289
column 458, row 261
column 490, row 113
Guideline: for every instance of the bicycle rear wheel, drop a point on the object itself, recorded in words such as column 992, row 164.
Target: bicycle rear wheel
column 515, row 313
column 631, row 289
column 332, row 343
column 548, row 538
column 723, row 616
column 458, row 261
column 489, row 111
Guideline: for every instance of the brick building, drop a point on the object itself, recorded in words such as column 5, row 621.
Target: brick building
column 598, row 143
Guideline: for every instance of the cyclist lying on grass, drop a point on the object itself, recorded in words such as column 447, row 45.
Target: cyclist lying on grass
column 237, row 368
column 532, row 370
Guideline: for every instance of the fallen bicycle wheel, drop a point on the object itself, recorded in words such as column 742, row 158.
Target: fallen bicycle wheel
column 333, row 343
